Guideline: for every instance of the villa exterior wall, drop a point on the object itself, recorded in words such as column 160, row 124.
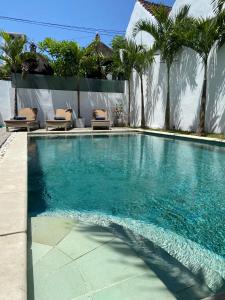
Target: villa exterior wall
column 48, row 100
column 5, row 106
column 186, row 80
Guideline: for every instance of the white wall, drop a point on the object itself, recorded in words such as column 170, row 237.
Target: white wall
column 5, row 105
column 186, row 80
column 48, row 100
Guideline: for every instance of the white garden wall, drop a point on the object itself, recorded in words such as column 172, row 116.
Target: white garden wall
column 48, row 100
column 186, row 80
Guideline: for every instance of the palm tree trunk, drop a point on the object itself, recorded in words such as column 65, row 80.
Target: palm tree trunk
column 167, row 113
column 129, row 101
column 142, row 104
column 15, row 97
column 201, row 127
column 78, row 103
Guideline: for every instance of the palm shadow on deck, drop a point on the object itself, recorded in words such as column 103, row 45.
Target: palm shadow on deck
column 180, row 281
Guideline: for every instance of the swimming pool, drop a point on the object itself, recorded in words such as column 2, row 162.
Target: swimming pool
column 172, row 184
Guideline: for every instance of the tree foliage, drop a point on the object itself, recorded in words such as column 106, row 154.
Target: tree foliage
column 168, row 33
column 11, row 51
column 94, row 63
column 65, row 56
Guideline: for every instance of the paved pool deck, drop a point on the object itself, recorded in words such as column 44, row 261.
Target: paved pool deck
column 71, row 260
column 13, row 220
column 3, row 135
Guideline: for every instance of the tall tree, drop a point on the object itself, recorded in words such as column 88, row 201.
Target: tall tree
column 66, row 60
column 144, row 58
column 201, row 37
column 124, row 61
column 11, row 53
column 167, row 32
column 219, row 5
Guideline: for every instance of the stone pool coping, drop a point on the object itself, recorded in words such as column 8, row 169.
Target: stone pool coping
column 124, row 130
column 13, row 220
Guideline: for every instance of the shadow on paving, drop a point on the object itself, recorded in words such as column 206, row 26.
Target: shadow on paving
column 179, row 280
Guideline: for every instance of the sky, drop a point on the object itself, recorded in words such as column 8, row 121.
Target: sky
column 104, row 14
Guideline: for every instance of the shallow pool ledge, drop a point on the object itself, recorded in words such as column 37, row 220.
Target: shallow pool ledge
column 13, row 220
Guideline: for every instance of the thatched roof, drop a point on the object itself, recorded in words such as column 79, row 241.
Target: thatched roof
column 101, row 48
column 150, row 5
column 39, row 65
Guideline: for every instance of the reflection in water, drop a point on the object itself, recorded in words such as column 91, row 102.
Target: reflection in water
column 176, row 185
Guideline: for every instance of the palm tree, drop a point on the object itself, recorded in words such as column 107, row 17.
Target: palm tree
column 11, row 53
column 219, row 4
column 144, row 58
column 167, row 32
column 201, row 37
column 124, row 62
column 219, row 10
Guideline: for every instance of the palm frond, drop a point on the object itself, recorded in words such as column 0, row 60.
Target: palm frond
column 218, row 5
column 182, row 13
column 160, row 13
column 148, row 27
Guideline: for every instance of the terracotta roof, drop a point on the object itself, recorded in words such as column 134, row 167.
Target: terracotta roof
column 149, row 5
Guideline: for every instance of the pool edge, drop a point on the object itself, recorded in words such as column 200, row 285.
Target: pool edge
column 13, row 223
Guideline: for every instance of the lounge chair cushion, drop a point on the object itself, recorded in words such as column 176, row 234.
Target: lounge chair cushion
column 19, row 118
column 99, row 118
column 59, row 118
column 100, row 113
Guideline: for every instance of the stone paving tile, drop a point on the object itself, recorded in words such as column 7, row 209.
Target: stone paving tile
column 109, row 264
column 81, row 240
column 195, row 292
column 13, row 212
column 49, row 230
column 38, row 251
column 49, row 264
column 85, row 297
column 3, row 136
column 13, row 217
column 13, row 267
column 65, row 284
column 143, row 287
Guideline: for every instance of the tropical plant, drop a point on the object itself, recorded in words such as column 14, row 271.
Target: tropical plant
column 201, row 37
column 144, row 58
column 167, row 32
column 66, row 60
column 65, row 56
column 10, row 53
column 219, row 4
column 97, row 59
column 219, row 9
column 5, row 72
column 126, row 54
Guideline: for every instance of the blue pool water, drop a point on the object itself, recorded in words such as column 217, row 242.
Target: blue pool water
column 176, row 185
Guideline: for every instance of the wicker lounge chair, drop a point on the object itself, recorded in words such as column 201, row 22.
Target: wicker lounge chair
column 63, row 119
column 27, row 118
column 100, row 119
